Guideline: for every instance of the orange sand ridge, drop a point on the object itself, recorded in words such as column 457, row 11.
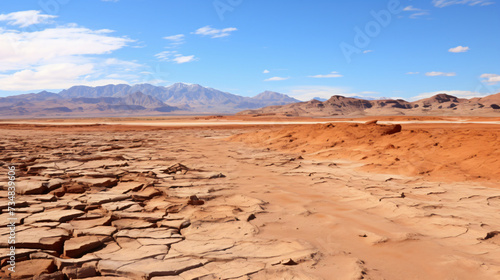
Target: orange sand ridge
column 454, row 152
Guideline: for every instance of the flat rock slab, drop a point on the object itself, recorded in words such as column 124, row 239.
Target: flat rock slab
column 38, row 238
column 150, row 217
column 80, row 272
column 31, row 268
column 145, row 269
column 273, row 251
column 78, row 246
column 90, row 223
column 124, row 187
column 98, row 230
column 54, row 216
column 108, row 278
column 200, row 248
column 31, row 187
column 96, row 182
column 168, row 278
column 145, row 194
column 134, row 254
column 117, row 206
column 235, row 269
column 102, row 197
column 5, row 218
column 155, row 233
column 236, row 230
column 155, row 241
column 4, row 252
column 62, row 263
column 131, row 223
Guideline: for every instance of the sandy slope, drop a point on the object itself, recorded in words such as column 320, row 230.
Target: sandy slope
column 455, row 152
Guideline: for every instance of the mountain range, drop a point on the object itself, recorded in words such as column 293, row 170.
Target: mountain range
column 142, row 99
column 180, row 98
column 440, row 104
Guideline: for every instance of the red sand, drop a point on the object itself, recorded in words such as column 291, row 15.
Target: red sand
column 456, row 152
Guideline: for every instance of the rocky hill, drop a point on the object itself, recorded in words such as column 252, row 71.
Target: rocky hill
column 440, row 104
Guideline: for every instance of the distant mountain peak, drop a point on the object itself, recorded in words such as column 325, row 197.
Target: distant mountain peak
column 275, row 96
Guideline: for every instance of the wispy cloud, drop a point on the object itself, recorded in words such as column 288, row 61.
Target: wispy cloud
column 333, row 74
column 174, row 56
column 265, row 71
column 412, row 73
column 26, row 18
column 416, row 12
column 178, row 39
column 491, row 78
column 445, row 3
column 367, row 51
column 273, row 79
column 458, row 49
column 434, row 74
column 215, row 33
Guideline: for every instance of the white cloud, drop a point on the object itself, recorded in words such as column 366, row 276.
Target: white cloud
column 367, row 51
column 306, row 93
column 122, row 63
column 175, row 39
column 52, row 76
column 183, row 59
column 26, row 18
column 20, row 50
column 491, row 78
column 457, row 93
column 415, row 12
column 458, row 49
column 419, row 14
column 411, row 9
column 174, row 56
column 333, row 74
column 215, row 33
column 412, row 73
column 445, row 3
column 434, row 74
column 266, row 71
column 276, row 79
column 60, row 57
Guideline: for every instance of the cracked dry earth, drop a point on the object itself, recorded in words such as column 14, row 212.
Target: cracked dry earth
column 187, row 204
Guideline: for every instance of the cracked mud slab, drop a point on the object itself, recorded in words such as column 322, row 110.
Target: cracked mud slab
column 187, row 204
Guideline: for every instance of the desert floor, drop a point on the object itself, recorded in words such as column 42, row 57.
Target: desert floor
column 259, row 198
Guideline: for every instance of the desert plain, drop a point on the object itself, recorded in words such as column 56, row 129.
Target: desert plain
column 244, row 197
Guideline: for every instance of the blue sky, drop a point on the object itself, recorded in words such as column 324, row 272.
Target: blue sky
column 389, row 48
